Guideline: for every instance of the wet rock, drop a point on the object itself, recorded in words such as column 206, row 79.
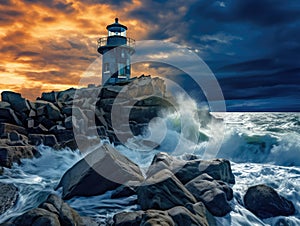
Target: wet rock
column 163, row 191
column 185, row 171
column 157, row 217
column 214, row 195
column 128, row 218
column 52, row 112
column 8, row 196
column 196, row 215
column 6, row 128
column 46, row 139
column 126, row 190
column 102, row 170
column 37, row 217
column 265, row 202
column 10, row 154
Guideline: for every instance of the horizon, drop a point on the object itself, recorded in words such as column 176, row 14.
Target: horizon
column 251, row 46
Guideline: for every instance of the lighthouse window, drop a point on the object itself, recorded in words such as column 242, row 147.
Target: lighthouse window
column 122, row 54
column 106, row 67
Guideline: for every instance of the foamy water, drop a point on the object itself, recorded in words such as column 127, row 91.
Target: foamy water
column 263, row 148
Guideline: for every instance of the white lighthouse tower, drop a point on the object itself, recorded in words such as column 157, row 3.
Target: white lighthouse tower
column 116, row 49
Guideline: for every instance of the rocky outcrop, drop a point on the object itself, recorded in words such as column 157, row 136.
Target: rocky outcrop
column 102, row 170
column 163, row 191
column 186, row 170
column 8, row 196
column 52, row 212
column 214, row 194
column 56, row 119
column 192, row 215
column 265, row 202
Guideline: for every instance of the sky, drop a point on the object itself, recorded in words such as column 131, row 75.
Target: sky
column 251, row 46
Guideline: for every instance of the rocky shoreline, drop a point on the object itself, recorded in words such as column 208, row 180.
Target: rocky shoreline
column 172, row 191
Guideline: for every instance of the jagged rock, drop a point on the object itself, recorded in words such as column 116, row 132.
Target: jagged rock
column 128, row 218
column 17, row 102
column 265, row 202
column 163, row 191
column 14, row 136
column 53, row 212
column 157, row 217
column 7, row 115
column 37, row 216
column 69, row 122
column 67, row 95
column 193, row 215
column 6, row 128
column 185, row 171
column 50, row 97
column 102, row 170
column 214, row 195
column 52, row 112
column 10, row 154
column 46, row 139
column 126, row 190
column 8, row 196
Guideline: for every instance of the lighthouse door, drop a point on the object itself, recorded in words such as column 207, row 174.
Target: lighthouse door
column 121, row 71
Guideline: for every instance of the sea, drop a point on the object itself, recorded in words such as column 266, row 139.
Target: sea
column 264, row 148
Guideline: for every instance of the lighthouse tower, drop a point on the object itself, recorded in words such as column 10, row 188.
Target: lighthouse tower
column 116, row 49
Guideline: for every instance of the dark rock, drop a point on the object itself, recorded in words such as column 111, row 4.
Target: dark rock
column 52, row 112
column 6, row 128
column 163, row 191
column 8, row 196
column 265, row 202
column 16, row 101
column 156, row 217
column 50, row 97
column 126, row 190
column 212, row 194
column 46, row 139
column 14, row 136
column 10, row 154
column 66, row 95
column 183, row 216
column 8, row 116
column 37, row 217
column 102, row 170
column 185, row 171
column 53, row 212
column 128, row 218
column 69, row 122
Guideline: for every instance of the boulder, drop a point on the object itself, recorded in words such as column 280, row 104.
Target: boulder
column 37, row 216
column 196, row 215
column 10, row 154
column 214, row 195
column 52, row 212
column 102, row 170
column 186, row 170
column 8, row 196
column 128, row 218
column 46, row 139
column 7, row 115
column 16, row 101
column 52, row 112
column 50, row 97
column 265, row 202
column 156, row 217
column 6, row 128
column 163, row 191
column 126, row 190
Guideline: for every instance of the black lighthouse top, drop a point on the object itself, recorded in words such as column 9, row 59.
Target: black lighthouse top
column 116, row 29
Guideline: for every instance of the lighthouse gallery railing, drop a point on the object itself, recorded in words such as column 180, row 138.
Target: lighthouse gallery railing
column 103, row 42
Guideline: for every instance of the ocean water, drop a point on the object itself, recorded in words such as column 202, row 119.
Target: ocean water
column 262, row 148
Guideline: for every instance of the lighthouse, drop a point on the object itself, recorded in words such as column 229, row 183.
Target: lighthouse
column 116, row 49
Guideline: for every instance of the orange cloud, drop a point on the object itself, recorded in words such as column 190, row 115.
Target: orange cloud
column 48, row 45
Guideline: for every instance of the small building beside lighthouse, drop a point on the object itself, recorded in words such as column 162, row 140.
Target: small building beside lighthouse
column 116, row 49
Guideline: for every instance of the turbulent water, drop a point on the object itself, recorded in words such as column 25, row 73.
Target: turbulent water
column 263, row 148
